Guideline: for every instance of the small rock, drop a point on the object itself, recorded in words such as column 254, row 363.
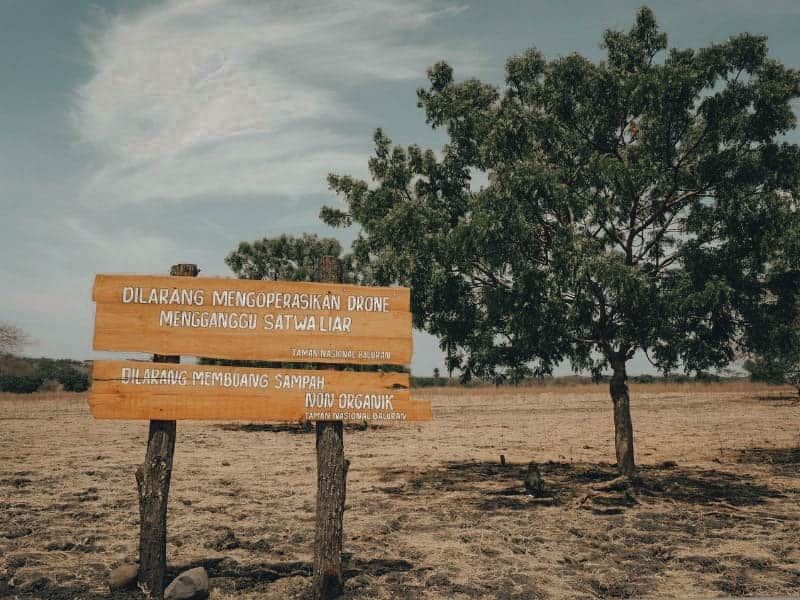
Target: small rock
column 534, row 483
column 226, row 540
column 123, row 577
column 189, row 585
column 225, row 463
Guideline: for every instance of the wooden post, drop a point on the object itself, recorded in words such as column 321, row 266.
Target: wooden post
column 331, row 486
column 152, row 482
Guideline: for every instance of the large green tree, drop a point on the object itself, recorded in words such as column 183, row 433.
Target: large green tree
column 644, row 202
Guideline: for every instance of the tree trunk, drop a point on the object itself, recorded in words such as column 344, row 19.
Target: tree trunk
column 331, row 488
column 623, row 426
column 152, row 483
column 327, row 581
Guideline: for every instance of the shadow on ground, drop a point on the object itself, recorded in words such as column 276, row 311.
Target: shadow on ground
column 780, row 399
column 42, row 587
column 672, row 509
column 299, row 427
column 231, row 575
column 783, row 461
column 491, row 486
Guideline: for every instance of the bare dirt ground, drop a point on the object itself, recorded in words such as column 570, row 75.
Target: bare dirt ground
column 430, row 513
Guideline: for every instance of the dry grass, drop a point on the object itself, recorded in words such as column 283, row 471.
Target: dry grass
column 568, row 388
column 431, row 513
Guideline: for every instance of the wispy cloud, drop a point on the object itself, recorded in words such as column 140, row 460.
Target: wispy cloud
column 213, row 97
column 122, row 249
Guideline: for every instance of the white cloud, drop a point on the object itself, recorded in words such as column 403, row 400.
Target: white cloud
column 202, row 97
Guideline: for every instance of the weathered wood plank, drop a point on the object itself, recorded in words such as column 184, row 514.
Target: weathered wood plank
column 256, row 320
column 108, row 288
column 144, row 390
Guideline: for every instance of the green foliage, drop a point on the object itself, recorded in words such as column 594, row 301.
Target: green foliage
column 289, row 258
column 74, row 381
column 27, row 375
column 645, row 202
column 20, row 384
column 773, row 369
column 65, row 372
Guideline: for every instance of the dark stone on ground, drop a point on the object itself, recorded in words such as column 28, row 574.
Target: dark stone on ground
column 226, row 540
column 534, row 484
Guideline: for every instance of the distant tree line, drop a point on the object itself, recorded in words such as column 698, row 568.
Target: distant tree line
column 27, row 375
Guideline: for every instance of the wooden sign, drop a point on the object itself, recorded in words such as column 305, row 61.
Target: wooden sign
column 171, row 391
column 257, row 320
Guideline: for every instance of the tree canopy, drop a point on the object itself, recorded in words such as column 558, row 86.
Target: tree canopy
column 290, row 258
column 285, row 257
column 643, row 202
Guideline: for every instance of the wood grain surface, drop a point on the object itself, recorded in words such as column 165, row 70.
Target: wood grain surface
column 253, row 320
column 146, row 390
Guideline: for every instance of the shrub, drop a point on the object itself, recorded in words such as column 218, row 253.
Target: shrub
column 20, row 384
column 74, row 380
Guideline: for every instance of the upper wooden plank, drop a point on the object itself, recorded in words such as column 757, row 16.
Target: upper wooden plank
column 108, row 288
column 255, row 320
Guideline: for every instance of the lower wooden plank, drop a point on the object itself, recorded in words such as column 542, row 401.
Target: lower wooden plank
column 163, row 391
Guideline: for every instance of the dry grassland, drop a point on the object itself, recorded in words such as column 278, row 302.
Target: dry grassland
column 430, row 511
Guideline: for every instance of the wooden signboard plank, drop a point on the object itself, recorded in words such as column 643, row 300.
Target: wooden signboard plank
column 256, row 320
column 279, row 294
column 163, row 391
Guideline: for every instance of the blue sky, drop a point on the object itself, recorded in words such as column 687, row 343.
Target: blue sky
column 134, row 135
